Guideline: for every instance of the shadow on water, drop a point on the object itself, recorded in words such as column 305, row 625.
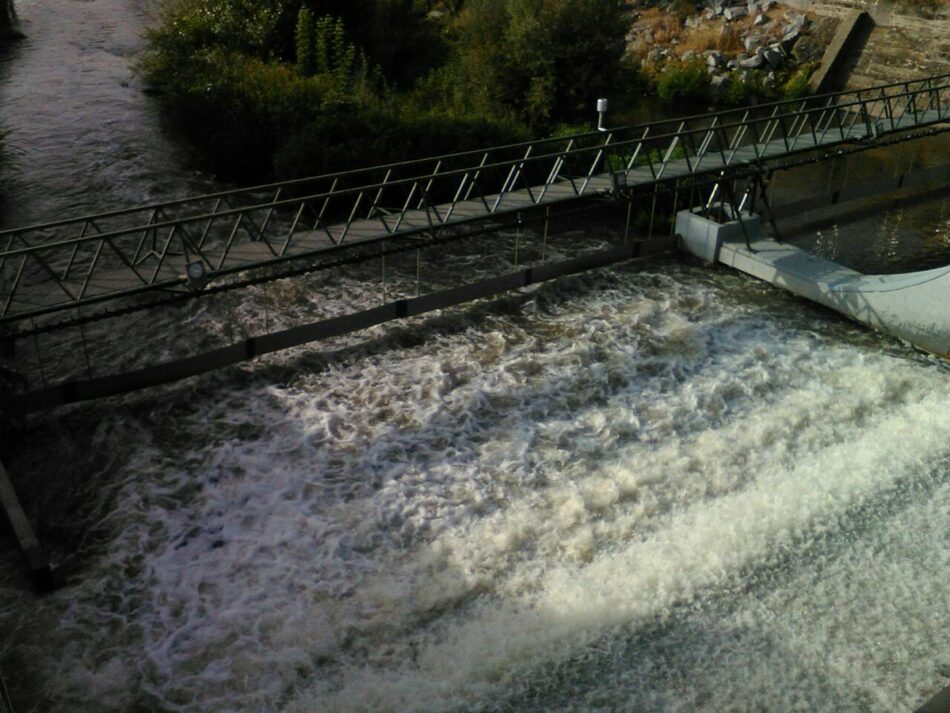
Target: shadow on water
column 653, row 665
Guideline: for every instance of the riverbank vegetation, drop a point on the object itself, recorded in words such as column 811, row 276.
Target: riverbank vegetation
column 307, row 86
column 310, row 86
column 8, row 23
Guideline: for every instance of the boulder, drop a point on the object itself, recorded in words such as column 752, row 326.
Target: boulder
column 752, row 42
column 788, row 40
column 714, row 59
column 688, row 56
column 734, row 13
column 753, row 62
column 773, row 57
column 796, row 21
column 760, row 20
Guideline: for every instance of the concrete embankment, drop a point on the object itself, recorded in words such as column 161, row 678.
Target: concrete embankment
column 848, row 42
column 898, row 46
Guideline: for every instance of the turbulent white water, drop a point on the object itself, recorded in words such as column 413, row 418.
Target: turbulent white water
column 638, row 491
column 666, row 489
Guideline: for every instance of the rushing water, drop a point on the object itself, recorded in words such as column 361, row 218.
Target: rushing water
column 83, row 135
column 662, row 488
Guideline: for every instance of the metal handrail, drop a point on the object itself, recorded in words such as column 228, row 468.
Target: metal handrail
column 208, row 234
column 428, row 159
column 675, row 135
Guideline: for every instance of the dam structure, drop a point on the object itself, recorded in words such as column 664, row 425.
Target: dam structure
column 70, row 272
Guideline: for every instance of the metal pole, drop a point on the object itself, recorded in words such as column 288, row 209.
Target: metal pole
column 652, row 211
column 39, row 357
column 544, row 242
column 85, row 349
column 676, row 195
column 831, row 174
column 517, row 238
column 900, row 159
column 418, row 269
column 626, row 230
column 228, row 306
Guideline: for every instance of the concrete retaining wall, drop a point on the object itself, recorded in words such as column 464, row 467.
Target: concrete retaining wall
column 900, row 47
column 848, row 39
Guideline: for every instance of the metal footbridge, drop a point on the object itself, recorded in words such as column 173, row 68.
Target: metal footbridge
column 222, row 240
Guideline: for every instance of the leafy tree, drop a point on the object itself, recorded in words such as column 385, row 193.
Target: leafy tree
column 539, row 58
column 306, row 40
column 7, row 17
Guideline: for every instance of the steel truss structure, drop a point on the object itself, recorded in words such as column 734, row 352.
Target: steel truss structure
column 184, row 245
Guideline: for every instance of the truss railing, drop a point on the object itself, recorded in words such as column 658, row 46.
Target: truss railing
column 182, row 244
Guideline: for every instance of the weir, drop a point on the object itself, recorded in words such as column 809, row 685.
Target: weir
column 71, row 271
column 910, row 306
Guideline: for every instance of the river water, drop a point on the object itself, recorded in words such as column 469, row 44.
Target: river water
column 654, row 488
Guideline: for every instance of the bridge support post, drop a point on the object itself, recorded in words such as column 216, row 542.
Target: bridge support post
column 544, row 240
column 703, row 237
column 36, row 558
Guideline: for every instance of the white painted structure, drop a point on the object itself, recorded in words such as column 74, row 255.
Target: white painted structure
column 913, row 306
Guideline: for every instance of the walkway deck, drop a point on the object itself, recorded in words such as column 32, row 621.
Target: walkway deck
column 59, row 266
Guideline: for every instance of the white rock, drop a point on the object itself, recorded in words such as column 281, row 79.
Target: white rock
column 753, row 62
column 752, row 42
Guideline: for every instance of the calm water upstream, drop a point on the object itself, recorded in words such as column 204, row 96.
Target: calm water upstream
column 663, row 488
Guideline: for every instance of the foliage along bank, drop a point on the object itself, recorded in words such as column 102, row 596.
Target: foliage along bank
column 301, row 87
column 312, row 86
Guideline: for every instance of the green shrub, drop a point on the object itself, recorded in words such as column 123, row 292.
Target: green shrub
column 305, row 39
column 683, row 82
column 797, row 84
column 353, row 136
column 540, row 59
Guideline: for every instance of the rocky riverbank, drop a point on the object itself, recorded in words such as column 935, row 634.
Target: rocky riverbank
column 752, row 49
column 761, row 43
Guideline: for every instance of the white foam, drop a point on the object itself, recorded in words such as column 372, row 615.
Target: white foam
column 438, row 526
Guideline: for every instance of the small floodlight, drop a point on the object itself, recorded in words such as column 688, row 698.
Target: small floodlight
column 601, row 110
column 195, row 275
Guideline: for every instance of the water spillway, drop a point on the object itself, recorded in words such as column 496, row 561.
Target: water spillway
column 911, row 306
column 641, row 489
column 645, row 488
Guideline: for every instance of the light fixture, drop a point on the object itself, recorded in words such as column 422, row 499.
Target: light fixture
column 601, row 110
column 195, row 275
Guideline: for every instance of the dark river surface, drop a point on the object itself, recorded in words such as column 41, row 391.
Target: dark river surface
column 654, row 488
